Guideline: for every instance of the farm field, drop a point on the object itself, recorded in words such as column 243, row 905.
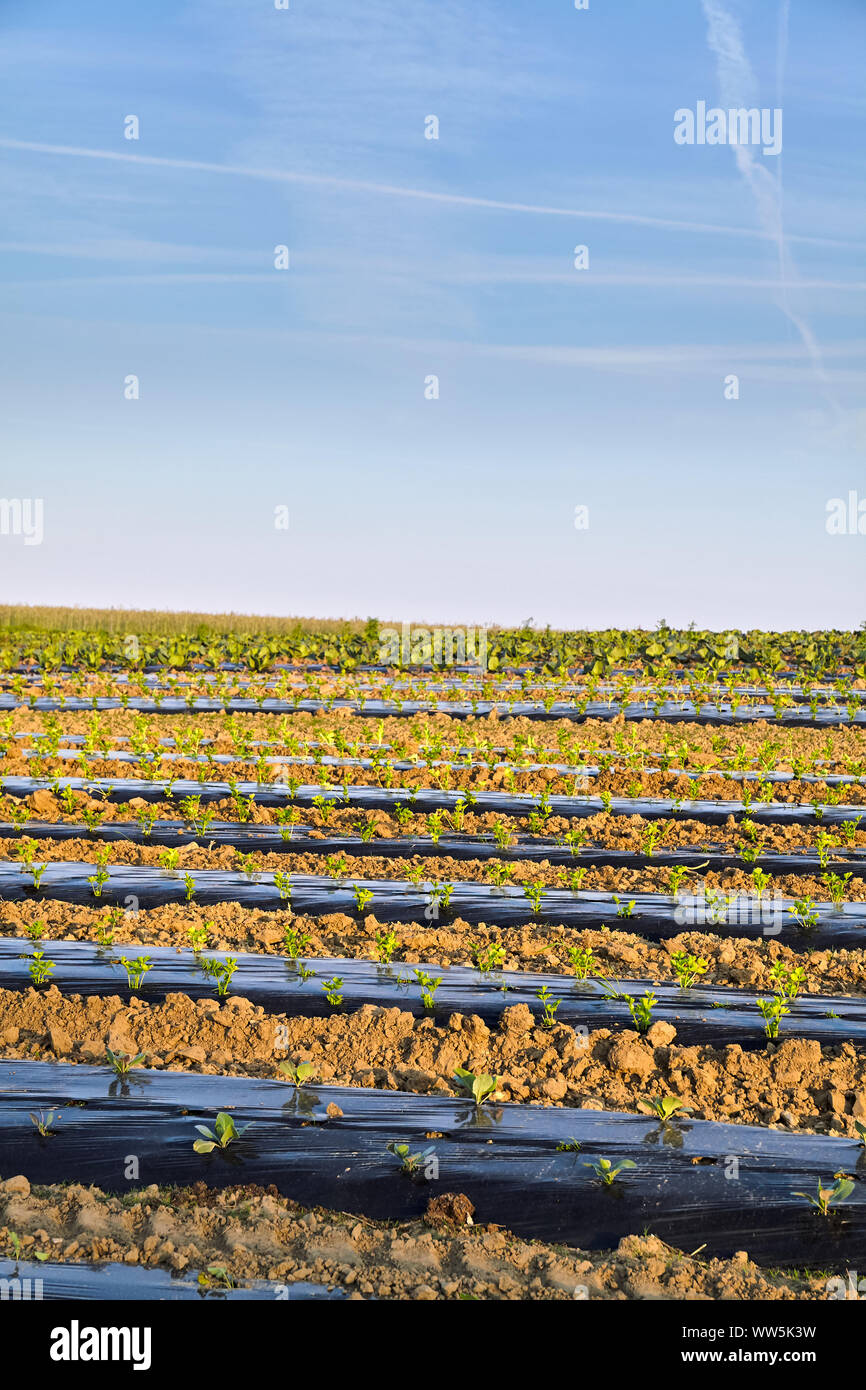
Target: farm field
column 350, row 968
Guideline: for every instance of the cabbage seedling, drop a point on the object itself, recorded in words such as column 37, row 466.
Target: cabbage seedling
column 122, row 1063
column 298, row 1072
column 224, row 1133
column 665, row 1107
column 608, row 1172
column 410, row 1163
column 480, row 1088
column 827, row 1197
column 44, row 1122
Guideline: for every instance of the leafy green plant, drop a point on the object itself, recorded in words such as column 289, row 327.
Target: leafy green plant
column 197, row 937
column 296, row 942
column 548, row 1017
column 121, row 1063
column 362, row 896
column 410, row 1163
column 826, row 1198
column 665, row 1107
column 688, row 968
column 607, row 1171
column 624, row 909
column 478, row 1087
column 487, row 958
column 40, row 968
column 583, row 961
column 299, row 1072
column 333, row 991
column 136, row 970
column 772, row 1012
column 44, row 1122
column 641, row 1010
column 224, row 1133
column 385, row 946
column 429, row 987
column 804, row 913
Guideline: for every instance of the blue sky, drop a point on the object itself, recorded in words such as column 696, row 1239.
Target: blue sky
column 454, row 257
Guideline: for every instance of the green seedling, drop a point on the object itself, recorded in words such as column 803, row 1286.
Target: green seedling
column 216, row 1276
column 221, row 972
column 40, row 968
column 410, row 1163
column 283, row 885
column 804, row 913
column 568, row 1146
column 837, row 886
column 478, row 1087
column 169, row 859
column 772, row 1012
column 122, row 1063
column 828, row 1197
column 362, row 896
column 298, row 1072
column 429, row 987
column 582, row 960
column 296, row 942
column 534, row 892
column 136, row 970
column 302, row 972
column 788, row 979
column 197, row 937
column 624, row 909
column 35, row 930
column 224, row 1133
column 44, row 1122
column 608, row 1172
column 487, row 958
column 665, row 1107
column 688, row 968
column 333, row 991
column 548, row 1017
column 189, row 886
column 641, row 1010
column 385, row 946
column 98, row 881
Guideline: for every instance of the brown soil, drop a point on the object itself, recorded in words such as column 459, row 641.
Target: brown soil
column 796, row 1084
column 253, row 1233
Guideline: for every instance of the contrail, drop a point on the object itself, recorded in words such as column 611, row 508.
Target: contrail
column 736, row 81
column 393, row 191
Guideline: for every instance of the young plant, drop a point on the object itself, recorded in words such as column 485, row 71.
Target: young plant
column 583, row 961
column 333, row 991
column 224, row 1133
column 197, row 937
column 548, row 1017
column 298, row 1072
column 362, row 896
column 136, row 970
column 665, row 1107
column 296, row 942
column 641, row 1010
column 385, row 946
column 487, row 958
column 35, row 930
column 772, row 1011
column 688, row 968
column 478, row 1087
column 410, row 1163
column 828, row 1197
column 429, row 987
column 40, row 968
column 624, row 909
column 608, row 1172
column 44, row 1122
column 122, row 1063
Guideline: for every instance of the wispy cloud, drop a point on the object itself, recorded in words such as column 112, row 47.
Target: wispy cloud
column 395, row 191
